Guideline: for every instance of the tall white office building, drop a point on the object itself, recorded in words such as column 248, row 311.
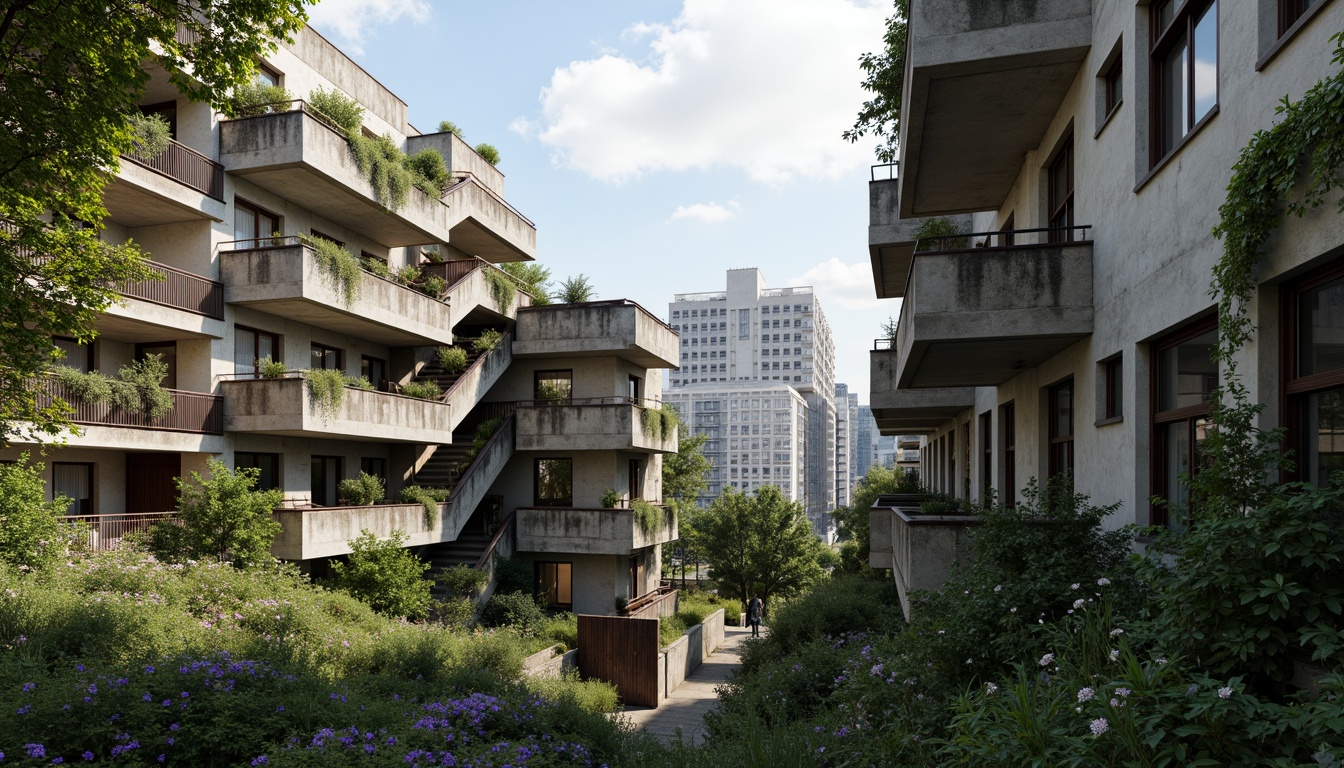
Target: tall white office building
column 751, row 333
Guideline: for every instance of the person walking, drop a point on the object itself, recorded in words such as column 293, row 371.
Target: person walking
column 754, row 610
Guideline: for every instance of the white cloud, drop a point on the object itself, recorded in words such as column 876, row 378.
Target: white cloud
column 849, row 285
column 350, row 20
column 710, row 211
column 521, row 126
column 766, row 86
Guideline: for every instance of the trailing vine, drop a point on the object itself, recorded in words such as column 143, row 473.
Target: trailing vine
column 648, row 516
column 502, row 289
column 326, row 389
column 138, row 387
column 340, row 266
column 660, row 423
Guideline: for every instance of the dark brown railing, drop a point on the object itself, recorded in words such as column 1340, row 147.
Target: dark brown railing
column 186, row 165
column 192, row 411
column 652, row 605
column 503, row 346
column 455, row 271
column 103, row 533
column 179, row 289
column 1004, row 239
column 505, row 533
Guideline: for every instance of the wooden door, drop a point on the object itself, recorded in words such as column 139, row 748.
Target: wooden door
column 149, row 481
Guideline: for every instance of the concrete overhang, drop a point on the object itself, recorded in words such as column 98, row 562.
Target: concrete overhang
column 485, row 225
column 596, row 329
column 605, row 424
column 285, row 407
column 140, row 197
column 301, row 159
column 286, row 280
column 980, row 316
column 983, row 81
column 315, row 532
column 910, row 411
column 891, row 239
column 564, row 530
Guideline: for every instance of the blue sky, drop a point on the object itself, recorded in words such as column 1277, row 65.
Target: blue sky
column 656, row 143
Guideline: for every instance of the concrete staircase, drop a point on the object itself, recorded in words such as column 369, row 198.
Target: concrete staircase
column 443, row 468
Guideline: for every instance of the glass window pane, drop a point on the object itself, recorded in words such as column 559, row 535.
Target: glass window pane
column 554, row 482
column 1176, row 462
column 1174, row 113
column 244, row 222
column 244, row 351
column 1206, row 61
column 1187, row 373
column 75, row 482
column 554, row 386
column 76, row 354
column 1321, row 329
column 1325, row 435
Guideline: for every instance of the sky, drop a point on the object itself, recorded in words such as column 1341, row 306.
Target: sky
column 657, row 143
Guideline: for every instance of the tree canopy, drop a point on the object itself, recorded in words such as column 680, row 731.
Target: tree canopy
column 575, row 290
column 852, row 521
column 758, row 545
column 884, row 78
column 72, row 76
column 535, row 279
column 684, row 471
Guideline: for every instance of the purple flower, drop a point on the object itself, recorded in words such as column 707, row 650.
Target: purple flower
column 35, row 750
column 27, row 707
column 261, row 760
column 28, row 687
column 1099, row 726
column 88, row 756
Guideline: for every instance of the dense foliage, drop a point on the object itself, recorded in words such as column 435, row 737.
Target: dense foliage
column 884, row 77
column 222, row 518
column 385, row 575
column 852, row 521
column 31, row 530
column 575, row 290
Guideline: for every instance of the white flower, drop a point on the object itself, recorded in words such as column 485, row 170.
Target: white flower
column 1123, row 692
column 1086, row 694
column 1117, row 631
column 998, row 587
column 1013, row 609
column 1103, row 582
column 1079, row 603
column 991, row 689
column 1160, row 660
column 1224, row 693
column 1075, row 585
column 1116, row 703
column 1047, row 660
column 1100, row 726
column 1115, row 654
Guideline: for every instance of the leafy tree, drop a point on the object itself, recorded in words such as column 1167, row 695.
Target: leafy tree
column 385, row 575
column 884, row 78
column 852, row 521
column 72, row 80
column 488, row 153
column 684, row 481
column 760, row 544
column 223, row 518
column 30, row 526
column 448, row 126
column 535, row 278
column 575, row 290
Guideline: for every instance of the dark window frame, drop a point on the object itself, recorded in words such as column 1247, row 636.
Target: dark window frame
column 315, row 461
column 559, row 374
column 1060, row 202
column 92, row 470
column 1161, row 420
column 1060, row 454
column 366, row 369
column 86, row 346
column 1162, row 40
column 325, row 349
column 1298, row 388
column 1008, row 432
column 1111, row 403
column 537, row 500
column 279, row 478
column 1289, row 11
column 256, row 347
column 986, row 456
column 538, row 567
column 257, row 211
column 1113, row 81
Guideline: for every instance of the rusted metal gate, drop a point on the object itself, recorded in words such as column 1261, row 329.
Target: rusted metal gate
column 623, row 652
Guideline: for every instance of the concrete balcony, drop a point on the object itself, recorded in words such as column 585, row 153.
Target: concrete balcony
column 891, row 239
column 919, row 549
column 567, row 530
column 302, row 159
column 597, row 329
column 284, row 406
column 178, row 184
column 593, row 424
column 979, row 316
column 910, row 411
column 280, row 276
column 470, row 292
column 983, row 81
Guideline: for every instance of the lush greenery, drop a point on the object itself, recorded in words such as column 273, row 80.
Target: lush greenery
column 257, row 98
column 32, row 534
column 759, row 545
column 339, row 265
column 138, row 387
column 488, row 340
column 271, row 369
column 852, row 521
column 222, row 518
column 611, row 499
column 488, row 153
column 503, row 288
column 361, row 491
column 884, row 77
column 337, row 109
column 385, row 575
column 648, row 516
column 452, row 359
column 429, row 498
column 575, row 290
column 660, row 423
column 480, row 436
column 945, row 234
column 683, row 482
column 533, row 278
column 448, row 126
column 427, row 389
column 150, row 134
column 74, row 79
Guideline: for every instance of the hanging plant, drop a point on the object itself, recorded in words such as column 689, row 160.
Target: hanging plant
column 502, row 289
column 326, row 390
column 648, row 516
column 339, row 265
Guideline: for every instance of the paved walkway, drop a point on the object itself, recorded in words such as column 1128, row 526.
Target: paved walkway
column 683, row 712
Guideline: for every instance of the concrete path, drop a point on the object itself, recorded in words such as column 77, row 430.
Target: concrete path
column 684, row 710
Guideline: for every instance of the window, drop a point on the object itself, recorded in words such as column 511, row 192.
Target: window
column 1314, row 374
column 950, row 454
column 1061, row 194
column 1112, row 390
column 166, row 110
column 554, row 486
column 986, row 456
column 1183, row 376
column 251, row 222
column 1113, row 80
column 1060, row 417
column 375, row 370
column 636, row 480
column 266, row 464
column 251, row 346
column 554, row 386
column 266, row 76
column 743, row 324
column 78, row 356
column 1184, row 70
column 324, row 358
column 555, row 582
column 326, row 475
column 167, row 352
column 376, row 467
column 74, row 481
column 1292, row 10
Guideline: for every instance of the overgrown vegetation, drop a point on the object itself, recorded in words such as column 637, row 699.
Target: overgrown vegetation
column 138, row 387
column 340, row 266
column 660, row 423
column 611, row 499
column 488, row 340
column 575, row 290
column 31, row 528
column 852, row 521
column 428, row 497
column 326, row 390
column 533, row 278
column 221, row 518
column 384, row 575
column 884, row 77
column 256, row 98
column 484, row 432
column 361, row 491
column 648, row 516
column 271, row 369
column 424, row 390
column 502, row 288
column 150, row 134
column 944, row 233
column 452, row 359
column 488, row 153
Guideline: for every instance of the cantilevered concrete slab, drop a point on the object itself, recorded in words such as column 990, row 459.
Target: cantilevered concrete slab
column 891, row 239
column 285, row 407
column 910, row 411
column 978, row 316
column 602, row 424
column 589, row 531
column 596, row 329
column 983, row 79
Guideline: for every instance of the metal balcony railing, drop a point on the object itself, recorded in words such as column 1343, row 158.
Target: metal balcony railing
column 184, row 164
column 1005, row 239
column 179, row 289
column 192, row 411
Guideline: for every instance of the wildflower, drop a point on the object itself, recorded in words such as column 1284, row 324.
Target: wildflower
column 1122, row 692
column 1116, row 703
column 1078, row 603
column 35, row 750
column 1117, row 631
column 998, row 587
column 1047, row 660
column 1075, row 585
column 1160, row 660
column 25, row 709
column 1013, row 609
column 1100, row 726
column 1115, row 654
column 1085, row 694
column 991, row 689
column 1103, row 582
column 88, row 756
column 261, row 760
column 1224, row 693
column 1192, row 690
column 28, row 687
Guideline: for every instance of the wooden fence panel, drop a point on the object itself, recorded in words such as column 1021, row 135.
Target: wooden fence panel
column 623, row 652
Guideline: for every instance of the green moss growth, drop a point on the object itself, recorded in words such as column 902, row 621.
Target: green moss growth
column 648, row 516
column 502, row 289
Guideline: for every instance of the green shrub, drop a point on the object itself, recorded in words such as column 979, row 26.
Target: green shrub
column 513, row 576
column 146, row 377
column 340, row 266
column 455, row 612
column 488, row 153
column 462, row 581
column 375, row 266
column 448, row 126
column 223, row 518
column 381, row 162
column 502, row 288
column 570, row 688
column 484, row 431
column 433, row 286
column 408, row 275
column 452, row 359
column 560, row 629
column 425, row 390
column 941, row 227
column 31, row 534
column 575, row 290
column 150, row 134
column 488, row 340
column 271, row 369
column 648, row 516
column 338, row 109
column 92, row 387
column 385, row 575
column 517, row 610
column 429, row 498
column 431, row 175
column 660, row 423
column 326, row 390
column 611, row 499
column 361, row 491
column 254, row 98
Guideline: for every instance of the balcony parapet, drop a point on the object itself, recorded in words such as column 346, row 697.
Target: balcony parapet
column 597, row 328
column 193, row 412
column 285, row 406
column 185, row 166
column 919, row 549
column 575, row 530
column 589, row 424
